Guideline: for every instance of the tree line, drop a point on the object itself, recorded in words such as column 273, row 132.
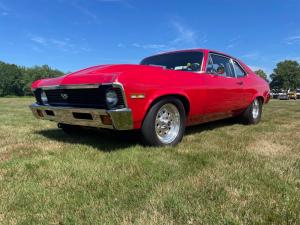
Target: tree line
column 17, row 80
column 285, row 76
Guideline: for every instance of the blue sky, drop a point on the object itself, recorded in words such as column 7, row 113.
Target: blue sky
column 73, row 34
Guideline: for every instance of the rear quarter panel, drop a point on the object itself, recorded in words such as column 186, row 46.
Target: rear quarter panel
column 255, row 87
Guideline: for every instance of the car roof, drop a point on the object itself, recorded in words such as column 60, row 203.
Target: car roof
column 194, row 50
column 205, row 50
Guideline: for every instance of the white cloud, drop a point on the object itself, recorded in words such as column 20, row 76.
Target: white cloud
column 186, row 37
column 149, row 46
column 121, row 45
column 87, row 12
column 39, row 40
column 183, row 37
column 255, row 68
column 233, row 42
column 183, row 34
column 65, row 45
column 293, row 40
column 59, row 43
column 4, row 10
column 125, row 3
column 251, row 55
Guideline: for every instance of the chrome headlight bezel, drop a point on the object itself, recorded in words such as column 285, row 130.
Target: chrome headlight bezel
column 44, row 98
column 111, row 98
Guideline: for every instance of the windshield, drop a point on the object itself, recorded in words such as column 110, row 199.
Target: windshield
column 184, row 61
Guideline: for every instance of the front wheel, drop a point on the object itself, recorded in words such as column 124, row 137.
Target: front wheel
column 252, row 114
column 164, row 124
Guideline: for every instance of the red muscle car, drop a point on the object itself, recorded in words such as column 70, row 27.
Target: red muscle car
column 160, row 96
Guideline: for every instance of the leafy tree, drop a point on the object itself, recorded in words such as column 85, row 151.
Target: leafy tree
column 15, row 80
column 37, row 73
column 262, row 74
column 286, row 75
column 277, row 82
column 11, row 81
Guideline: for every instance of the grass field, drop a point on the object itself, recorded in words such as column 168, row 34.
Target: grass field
column 222, row 173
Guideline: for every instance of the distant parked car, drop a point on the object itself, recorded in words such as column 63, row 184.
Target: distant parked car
column 160, row 97
column 274, row 94
column 287, row 95
column 283, row 96
column 292, row 95
column 298, row 93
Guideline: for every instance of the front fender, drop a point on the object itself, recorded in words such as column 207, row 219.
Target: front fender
column 140, row 107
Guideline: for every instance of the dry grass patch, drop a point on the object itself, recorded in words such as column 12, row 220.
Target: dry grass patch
column 268, row 148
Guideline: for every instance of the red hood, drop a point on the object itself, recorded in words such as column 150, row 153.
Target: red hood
column 94, row 75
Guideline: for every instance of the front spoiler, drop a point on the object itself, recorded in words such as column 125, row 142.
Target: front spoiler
column 121, row 118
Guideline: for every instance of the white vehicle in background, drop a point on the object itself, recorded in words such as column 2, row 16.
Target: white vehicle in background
column 283, row 96
column 274, row 93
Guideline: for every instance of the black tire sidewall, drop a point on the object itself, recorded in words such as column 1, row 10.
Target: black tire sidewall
column 248, row 116
column 148, row 127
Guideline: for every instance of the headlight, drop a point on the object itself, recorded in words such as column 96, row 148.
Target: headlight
column 44, row 98
column 111, row 98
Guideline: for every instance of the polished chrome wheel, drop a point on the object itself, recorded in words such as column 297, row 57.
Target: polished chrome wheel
column 167, row 123
column 255, row 109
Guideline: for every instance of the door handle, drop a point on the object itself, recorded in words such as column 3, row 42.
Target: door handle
column 240, row 83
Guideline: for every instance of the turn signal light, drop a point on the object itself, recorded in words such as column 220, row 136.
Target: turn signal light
column 137, row 96
column 106, row 120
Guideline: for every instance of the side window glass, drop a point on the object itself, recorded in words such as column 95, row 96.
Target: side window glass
column 239, row 72
column 220, row 66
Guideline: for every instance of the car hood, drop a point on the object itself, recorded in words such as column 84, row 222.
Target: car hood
column 96, row 75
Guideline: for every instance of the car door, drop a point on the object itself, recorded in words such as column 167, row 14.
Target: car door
column 242, row 79
column 224, row 91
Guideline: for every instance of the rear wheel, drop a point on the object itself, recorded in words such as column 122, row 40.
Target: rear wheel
column 252, row 114
column 164, row 124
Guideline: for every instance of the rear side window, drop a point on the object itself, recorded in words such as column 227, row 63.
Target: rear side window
column 239, row 72
column 220, row 66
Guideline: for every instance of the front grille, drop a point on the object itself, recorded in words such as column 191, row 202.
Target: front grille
column 82, row 98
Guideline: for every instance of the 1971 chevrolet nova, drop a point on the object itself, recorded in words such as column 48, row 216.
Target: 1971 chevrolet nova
column 160, row 96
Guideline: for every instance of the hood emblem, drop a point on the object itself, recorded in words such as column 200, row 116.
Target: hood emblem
column 64, row 96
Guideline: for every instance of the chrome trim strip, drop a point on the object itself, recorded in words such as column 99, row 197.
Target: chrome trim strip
column 119, row 85
column 234, row 60
column 202, row 63
column 121, row 118
column 73, row 86
column 86, row 86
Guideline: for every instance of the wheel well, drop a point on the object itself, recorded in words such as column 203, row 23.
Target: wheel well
column 182, row 98
column 261, row 99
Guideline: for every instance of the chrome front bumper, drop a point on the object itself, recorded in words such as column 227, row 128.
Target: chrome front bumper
column 121, row 119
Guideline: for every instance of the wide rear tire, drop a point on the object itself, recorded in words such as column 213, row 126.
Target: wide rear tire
column 164, row 123
column 252, row 114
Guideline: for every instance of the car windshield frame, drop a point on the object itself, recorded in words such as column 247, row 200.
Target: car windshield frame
column 187, row 61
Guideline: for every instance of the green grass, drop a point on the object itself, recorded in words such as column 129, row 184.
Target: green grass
column 221, row 173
